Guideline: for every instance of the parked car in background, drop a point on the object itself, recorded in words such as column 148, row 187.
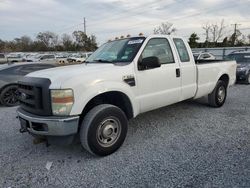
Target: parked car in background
column 3, row 58
column 9, row 76
column 47, row 57
column 243, row 65
column 62, row 58
column 42, row 58
column 203, row 56
column 79, row 57
column 15, row 57
column 32, row 57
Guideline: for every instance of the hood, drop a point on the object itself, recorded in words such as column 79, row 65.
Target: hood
column 62, row 75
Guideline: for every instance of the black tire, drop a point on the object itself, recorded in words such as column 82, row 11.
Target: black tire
column 9, row 96
column 248, row 78
column 215, row 99
column 97, row 128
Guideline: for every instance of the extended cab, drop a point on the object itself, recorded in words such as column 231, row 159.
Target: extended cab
column 121, row 79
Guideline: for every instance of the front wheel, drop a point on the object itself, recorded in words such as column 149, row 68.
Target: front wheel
column 9, row 96
column 218, row 97
column 103, row 129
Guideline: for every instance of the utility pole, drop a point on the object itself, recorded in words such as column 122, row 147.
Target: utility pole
column 235, row 33
column 84, row 24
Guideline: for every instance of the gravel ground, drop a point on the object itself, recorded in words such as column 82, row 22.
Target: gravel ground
column 184, row 145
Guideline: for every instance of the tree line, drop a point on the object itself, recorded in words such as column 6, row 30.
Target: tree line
column 49, row 41
column 216, row 35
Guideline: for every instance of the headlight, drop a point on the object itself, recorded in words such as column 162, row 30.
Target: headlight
column 62, row 101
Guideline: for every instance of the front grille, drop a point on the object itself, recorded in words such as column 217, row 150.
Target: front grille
column 30, row 96
column 35, row 95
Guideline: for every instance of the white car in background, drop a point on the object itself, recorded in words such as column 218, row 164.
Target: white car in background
column 62, row 58
column 78, row 58
column 41, row 58
column 15, row 57
column 203, row 56
column 32, row 57
column 3, row 58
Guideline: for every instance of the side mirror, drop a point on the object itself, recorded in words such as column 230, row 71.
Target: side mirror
column 149, row 63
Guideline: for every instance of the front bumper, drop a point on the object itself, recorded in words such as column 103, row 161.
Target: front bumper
column 47, row 126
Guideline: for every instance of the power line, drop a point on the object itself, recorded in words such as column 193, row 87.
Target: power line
column 246, row 28
column 132, row 27
column 124, row 14
column 184, row 16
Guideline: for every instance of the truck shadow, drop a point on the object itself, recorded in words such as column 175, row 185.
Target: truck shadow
column 140, row 129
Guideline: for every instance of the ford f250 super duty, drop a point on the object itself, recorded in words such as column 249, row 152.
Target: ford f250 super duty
column 121, row 79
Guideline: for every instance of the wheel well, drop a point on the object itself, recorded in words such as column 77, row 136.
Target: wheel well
column 116, row 98
column 1, row 89
column 225, row 78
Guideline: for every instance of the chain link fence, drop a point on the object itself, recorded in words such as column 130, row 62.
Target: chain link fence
column 220, row 53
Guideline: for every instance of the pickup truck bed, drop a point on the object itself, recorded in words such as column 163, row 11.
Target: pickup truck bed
column 208, row 73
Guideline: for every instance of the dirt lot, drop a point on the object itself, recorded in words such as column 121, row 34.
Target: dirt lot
column 184, row 145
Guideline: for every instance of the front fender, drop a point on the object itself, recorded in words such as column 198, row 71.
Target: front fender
column 84, row 94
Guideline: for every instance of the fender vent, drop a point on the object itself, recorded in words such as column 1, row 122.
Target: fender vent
column 130, row 80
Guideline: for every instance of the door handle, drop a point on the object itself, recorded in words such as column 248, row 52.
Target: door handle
column 178, row 73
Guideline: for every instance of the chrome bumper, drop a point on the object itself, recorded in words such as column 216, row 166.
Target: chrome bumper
column 47, row 126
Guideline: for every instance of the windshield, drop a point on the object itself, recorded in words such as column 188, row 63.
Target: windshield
column 123, row 50
column 239, row 58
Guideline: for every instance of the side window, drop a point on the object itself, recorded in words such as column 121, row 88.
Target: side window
column 202, row 56
column 160, row 48
column 206, row 56
column 51, row 57
column 182, row 50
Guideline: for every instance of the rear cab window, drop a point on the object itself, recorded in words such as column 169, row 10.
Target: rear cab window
column 182, row 50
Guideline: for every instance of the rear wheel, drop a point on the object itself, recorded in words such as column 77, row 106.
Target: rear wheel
column 103, row 129
column 218, row 97
column 9, row 96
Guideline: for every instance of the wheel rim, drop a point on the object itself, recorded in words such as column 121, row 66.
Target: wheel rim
column 10, row 97
column 108, row 132
column 221, row 94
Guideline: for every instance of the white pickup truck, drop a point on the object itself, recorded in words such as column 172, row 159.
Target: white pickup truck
column 121, row 79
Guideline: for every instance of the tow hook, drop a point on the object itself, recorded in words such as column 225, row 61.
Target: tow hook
column 22, row 130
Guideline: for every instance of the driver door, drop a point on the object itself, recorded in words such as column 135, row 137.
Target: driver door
column 160, row 86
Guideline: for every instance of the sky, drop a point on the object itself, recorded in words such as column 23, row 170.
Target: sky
column 107, row 19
